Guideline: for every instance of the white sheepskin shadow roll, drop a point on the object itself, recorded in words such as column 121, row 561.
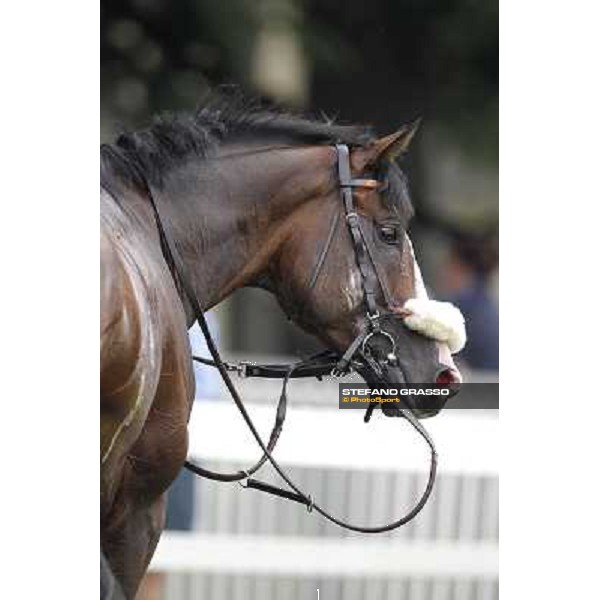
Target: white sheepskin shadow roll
column 440, row 321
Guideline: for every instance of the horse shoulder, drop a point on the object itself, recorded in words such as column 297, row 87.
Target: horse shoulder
column 142, row 326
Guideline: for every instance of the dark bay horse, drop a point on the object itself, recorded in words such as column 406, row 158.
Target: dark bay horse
column 250, row 198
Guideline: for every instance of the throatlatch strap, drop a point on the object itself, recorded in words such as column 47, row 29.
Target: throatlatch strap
column 330, row 236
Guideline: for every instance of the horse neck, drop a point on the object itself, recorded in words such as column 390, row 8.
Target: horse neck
column 229, row 215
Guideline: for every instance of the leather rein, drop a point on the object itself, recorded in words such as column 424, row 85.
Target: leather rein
column 327, row 363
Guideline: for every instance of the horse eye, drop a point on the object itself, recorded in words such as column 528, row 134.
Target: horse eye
column 389, row 234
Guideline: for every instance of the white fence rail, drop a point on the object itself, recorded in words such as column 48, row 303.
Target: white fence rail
column 321, row 437
column 269, row 555
column 249, row 545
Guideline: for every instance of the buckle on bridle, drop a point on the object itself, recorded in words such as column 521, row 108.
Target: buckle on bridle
column 338, row 371
column 373, row 317
column 242, row 370
column 390, row 358
column 352, row 216
column 239, row 368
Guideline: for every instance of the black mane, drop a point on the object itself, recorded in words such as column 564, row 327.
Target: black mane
column 146, row 155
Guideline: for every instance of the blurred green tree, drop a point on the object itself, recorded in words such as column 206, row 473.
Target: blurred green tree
column 374, row 61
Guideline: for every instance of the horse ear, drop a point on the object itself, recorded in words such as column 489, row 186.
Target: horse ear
column 385, row 149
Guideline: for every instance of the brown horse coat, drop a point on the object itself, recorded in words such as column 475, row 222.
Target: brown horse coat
column 146, row 384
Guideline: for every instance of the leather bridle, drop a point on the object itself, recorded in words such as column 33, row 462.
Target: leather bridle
column 323, row 364
column 371, row 277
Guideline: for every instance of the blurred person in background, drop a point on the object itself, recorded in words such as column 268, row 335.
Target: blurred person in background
column 181, row 494
column 467, row 281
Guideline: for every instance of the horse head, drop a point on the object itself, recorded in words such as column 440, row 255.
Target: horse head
column 348, row 273
column 270, row 200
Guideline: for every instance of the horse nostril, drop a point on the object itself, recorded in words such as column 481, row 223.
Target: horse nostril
column 449, row 377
